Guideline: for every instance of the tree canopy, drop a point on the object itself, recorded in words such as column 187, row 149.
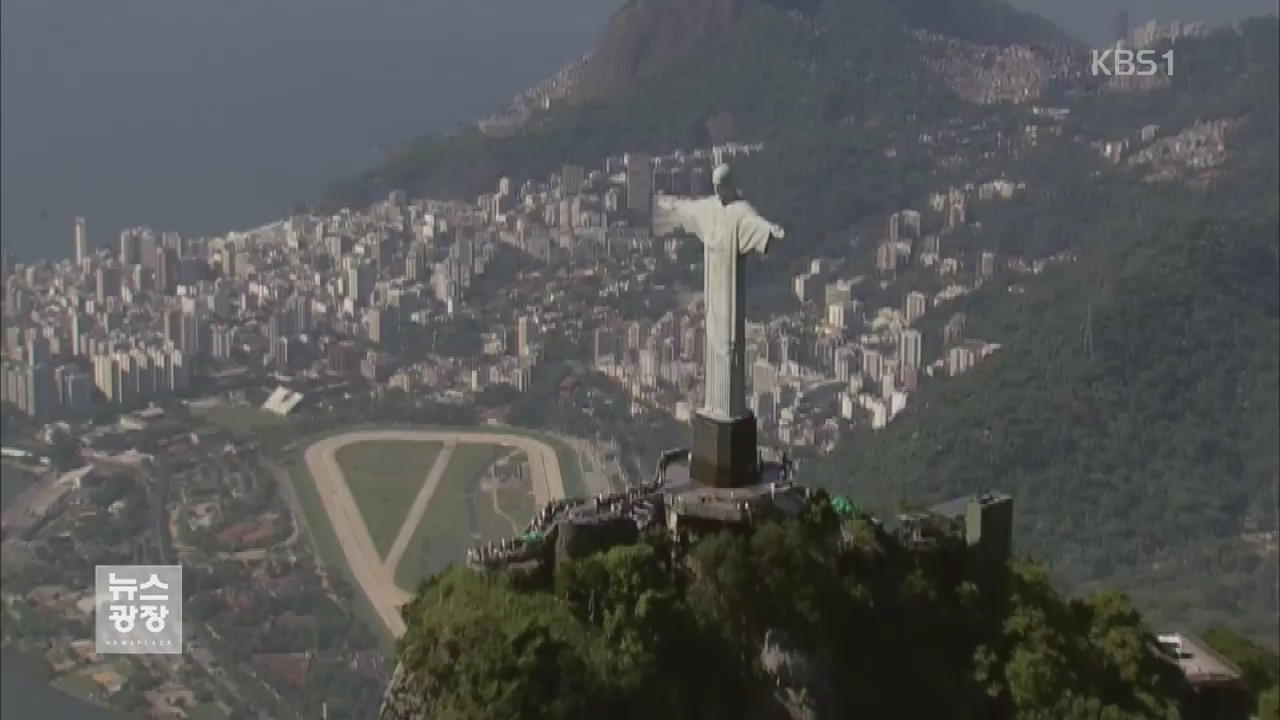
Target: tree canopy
column 753, row 625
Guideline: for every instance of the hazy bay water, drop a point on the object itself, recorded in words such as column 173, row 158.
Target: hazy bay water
column 208, row 115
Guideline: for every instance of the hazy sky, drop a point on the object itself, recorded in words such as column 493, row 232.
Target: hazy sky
column 1094, row 21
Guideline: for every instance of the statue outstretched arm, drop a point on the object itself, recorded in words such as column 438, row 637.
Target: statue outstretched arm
column 755, row 232
column 691, row 215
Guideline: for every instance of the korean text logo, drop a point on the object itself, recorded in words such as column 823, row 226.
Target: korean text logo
column 138, row 609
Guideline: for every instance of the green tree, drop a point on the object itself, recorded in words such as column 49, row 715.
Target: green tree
column 1259, row 665
column 1269, row 703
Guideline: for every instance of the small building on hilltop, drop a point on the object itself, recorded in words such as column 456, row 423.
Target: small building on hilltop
column 985, row 523
column 1214, row 688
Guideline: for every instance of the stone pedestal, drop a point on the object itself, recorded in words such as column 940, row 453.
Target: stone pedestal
column 723, row 452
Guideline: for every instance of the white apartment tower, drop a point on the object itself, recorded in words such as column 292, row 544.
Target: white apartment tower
column 80, row 240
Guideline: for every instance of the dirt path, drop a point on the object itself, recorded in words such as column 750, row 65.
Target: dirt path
column 353, row 534
column 497, row 509
column 375, row 577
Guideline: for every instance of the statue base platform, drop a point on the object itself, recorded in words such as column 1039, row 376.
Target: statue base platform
column 724, row 452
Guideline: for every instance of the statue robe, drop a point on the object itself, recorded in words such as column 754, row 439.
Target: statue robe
column 728, row 233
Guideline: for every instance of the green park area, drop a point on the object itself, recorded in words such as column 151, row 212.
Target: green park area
column 504, row 505
column 444, row 534
column 516, row 500
column 492, row 521
column 206, row 711
column 241, row 418
column 385, row 476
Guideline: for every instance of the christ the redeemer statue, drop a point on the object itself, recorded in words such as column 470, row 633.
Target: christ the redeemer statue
column 724, row 431
column 729, row 228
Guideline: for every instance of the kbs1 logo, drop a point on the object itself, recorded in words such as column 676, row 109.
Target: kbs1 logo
column 1123, row 62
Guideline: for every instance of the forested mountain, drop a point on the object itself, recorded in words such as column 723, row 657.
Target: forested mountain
column 1132, row 412
column 780, row 623
column 646, row 37
column 1133, row 407
column 836, row 76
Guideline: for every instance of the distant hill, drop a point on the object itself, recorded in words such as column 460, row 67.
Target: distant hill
column 1133, row 408
column 671, row 73
column 644, row 36
column 986, row 22
column 1132, row 411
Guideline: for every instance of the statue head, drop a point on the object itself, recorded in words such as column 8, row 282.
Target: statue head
column 722, row 179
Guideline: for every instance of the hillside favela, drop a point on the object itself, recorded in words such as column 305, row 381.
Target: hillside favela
column 775, row 359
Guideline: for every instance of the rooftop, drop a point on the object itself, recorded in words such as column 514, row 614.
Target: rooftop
column 674, row 470
column 737, row 504
column 955, row 507
column 1199, row 663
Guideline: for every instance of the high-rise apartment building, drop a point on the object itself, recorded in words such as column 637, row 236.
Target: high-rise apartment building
column 30, row 388
column 909, row 223
column 166, row 271
column 80, row 241
column 844, row 364
column 130, row 246
column 300, row 313
column 844, row 315
column 887, row 257
column 604, row 346
column 148, row 248
column 910, row 348
column 108, row 283
column 956, row 209
column 840, row 291
column 953, row 331
column 78, row 340
column 75, row 389
column 917, row 304
column 805, row 287
column 194, row 329
column 987, row 266
column 639, row 189
column 571, row 179
column 384, row 326
column 526, row 335
column 872, row 364
column 223, row 338
column 960, row 358
column 37, row 351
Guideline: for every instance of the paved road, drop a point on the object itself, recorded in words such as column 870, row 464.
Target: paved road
column 376, row 578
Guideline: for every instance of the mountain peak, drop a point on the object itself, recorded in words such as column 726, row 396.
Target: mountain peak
column 644, row 36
